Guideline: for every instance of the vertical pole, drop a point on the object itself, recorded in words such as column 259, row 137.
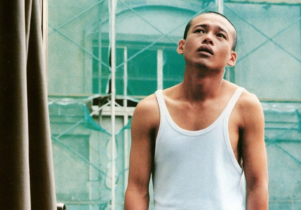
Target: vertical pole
column 113, row 94
column 159, row 70
column 220, row 6
column 125, row 75
column 126, row 119
column 99, row 56
column 45, row 32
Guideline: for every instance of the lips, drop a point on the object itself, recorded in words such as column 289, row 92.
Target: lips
column 205, row 48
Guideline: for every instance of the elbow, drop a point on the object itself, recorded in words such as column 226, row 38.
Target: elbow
column 257, row 195
column 258, row 184
column 136, row 198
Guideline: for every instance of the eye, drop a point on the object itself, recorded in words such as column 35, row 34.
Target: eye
column 199, row 31
column 221, row 35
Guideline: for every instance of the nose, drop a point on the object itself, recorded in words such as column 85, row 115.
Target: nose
column 208, row 39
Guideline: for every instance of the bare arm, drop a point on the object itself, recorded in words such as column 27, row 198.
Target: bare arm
column 143, row 132
column 254, row 154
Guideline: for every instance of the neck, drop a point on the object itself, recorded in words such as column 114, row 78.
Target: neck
column 201, row 84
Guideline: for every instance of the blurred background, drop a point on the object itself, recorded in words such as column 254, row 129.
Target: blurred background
column 91, row 172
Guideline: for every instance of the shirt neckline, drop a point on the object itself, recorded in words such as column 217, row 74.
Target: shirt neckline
column 204, row 130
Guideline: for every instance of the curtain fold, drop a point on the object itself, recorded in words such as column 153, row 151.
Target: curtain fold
column 26, row 168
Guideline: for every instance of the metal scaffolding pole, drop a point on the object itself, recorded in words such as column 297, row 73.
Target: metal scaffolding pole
column 220, row 6
column 45, row 33
column 113, row 95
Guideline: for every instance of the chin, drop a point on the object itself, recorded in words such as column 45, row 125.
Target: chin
column 203, row 65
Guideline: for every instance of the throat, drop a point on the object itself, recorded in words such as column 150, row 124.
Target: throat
column 199, row 90
column 196, row 116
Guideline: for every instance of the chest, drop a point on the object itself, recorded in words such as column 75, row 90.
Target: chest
column 195, row 117
column 198, row 118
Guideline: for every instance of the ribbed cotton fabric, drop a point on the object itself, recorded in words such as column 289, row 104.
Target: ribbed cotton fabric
column 197, row 170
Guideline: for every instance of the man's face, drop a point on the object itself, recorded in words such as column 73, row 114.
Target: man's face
column 209, row 42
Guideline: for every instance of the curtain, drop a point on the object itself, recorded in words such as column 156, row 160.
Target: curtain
column 26, row 168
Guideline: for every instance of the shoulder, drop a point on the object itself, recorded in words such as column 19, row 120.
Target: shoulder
column 250, row 108
column 147, row 112
column 147, row 105
column 249, row 101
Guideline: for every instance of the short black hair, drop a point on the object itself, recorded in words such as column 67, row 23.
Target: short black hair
column 217, row 13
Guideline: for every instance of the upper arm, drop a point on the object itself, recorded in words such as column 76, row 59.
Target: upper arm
column 143, row 133
column 253, row 144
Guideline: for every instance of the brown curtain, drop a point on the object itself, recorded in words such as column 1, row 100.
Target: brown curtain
column 26, row 168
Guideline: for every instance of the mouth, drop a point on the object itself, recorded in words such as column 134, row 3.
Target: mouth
column 206, row 49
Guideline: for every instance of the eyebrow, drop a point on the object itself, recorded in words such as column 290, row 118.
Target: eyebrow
column 206, row 26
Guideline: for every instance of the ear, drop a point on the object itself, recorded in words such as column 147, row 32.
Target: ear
column 232, row 59
column 180, row 48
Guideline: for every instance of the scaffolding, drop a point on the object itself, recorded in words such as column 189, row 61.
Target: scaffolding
column 104, row 56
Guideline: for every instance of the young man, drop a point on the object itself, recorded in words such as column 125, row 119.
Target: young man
column 200, row 138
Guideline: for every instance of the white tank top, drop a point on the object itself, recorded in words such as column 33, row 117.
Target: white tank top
column 197, row 170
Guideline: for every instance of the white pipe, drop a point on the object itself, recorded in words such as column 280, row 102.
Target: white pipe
column 45, row 34
column 126, row 117
column 99, row 57
column 125, row 75
column 220, row 6
column 113, row 94
column 159, row 70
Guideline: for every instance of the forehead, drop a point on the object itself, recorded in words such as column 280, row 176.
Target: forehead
column 213, row 20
